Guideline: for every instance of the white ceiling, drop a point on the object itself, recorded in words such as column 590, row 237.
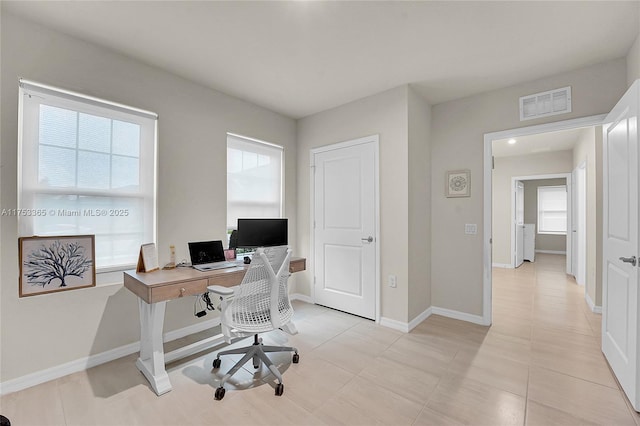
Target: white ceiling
column 302, row 57
column 533, row 144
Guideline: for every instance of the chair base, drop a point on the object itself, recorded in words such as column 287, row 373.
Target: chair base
column 258, row 352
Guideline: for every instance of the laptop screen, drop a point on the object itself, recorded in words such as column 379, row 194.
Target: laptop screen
column 206, row 252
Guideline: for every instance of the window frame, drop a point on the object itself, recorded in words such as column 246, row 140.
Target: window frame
column 540, row 212
column 28, row 145
column 262, row 144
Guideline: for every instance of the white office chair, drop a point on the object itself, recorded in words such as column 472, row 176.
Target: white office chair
column 259, row 304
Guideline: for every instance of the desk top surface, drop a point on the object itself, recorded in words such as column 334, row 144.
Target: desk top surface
column 163, row 277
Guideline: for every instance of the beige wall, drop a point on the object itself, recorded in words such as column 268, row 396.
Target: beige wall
column 585, row 151
column 457, row 134
column 419, row 206
column 384, row 114
column 49, row 330
column 544, row 242
column 505, row 169
column 633, row 62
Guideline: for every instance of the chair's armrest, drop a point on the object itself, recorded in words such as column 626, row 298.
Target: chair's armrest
column 220, row 290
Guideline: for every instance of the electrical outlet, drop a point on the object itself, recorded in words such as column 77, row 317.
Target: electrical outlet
column 393, row 281
column 470, row 228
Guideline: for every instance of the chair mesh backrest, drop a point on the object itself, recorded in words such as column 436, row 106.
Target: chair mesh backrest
column 261, row 302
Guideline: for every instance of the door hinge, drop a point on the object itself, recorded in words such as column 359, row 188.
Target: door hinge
column 493, row 162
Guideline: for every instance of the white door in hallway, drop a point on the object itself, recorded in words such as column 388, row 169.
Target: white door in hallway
column 519, row 223
column 345, row 214
column 620, row 243
column 578, row 233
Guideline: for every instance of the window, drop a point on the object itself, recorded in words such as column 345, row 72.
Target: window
column 552, row 210
column 86, row 166
column 254, row 179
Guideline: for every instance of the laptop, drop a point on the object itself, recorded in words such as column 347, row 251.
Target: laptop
column 209, row 255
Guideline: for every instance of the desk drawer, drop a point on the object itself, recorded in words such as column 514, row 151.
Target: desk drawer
column 174, row 291
column 228, row 279
column 297, row 265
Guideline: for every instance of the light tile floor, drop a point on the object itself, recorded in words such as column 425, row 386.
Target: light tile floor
column 538, row 364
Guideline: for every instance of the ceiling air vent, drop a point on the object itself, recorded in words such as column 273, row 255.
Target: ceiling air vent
column 557, row 101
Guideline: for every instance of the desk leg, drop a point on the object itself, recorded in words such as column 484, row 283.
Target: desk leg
column 151, row 361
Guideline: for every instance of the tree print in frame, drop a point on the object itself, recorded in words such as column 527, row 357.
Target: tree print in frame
column 458, row 183
column 51, row 264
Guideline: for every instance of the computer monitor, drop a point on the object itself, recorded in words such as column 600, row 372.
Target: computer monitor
column 254, row 233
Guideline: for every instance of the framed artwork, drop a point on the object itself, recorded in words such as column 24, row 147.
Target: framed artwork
column 458, row 183
column 51, row 264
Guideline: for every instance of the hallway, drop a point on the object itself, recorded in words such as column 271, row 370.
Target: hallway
column 569, row 379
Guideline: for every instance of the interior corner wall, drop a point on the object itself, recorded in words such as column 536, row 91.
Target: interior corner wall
column 599, row 167
column 384, row 114
column 45, row 331
column 419, row 205
column 458, row 129
column 505, row 169
column 633, row 62
column 585, row 151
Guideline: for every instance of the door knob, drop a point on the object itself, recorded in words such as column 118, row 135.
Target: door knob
column 631, row 260
column 368, row 239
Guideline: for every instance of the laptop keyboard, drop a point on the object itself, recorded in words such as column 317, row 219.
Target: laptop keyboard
column 218, row 265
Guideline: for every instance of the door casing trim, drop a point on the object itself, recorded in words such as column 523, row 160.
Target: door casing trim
column 594, row 120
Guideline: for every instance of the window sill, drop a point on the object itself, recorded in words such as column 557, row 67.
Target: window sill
column 111, row 276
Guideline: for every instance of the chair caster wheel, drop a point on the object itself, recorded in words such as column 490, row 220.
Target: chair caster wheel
column 279, row 389
column 216, row 364
column 219, row 393
column 296, row 358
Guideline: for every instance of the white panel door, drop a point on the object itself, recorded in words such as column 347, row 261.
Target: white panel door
column 620, row 243
column 345, row 227
column 519, row 223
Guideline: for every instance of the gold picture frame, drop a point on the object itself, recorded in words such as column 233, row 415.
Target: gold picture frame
column 458, row 183
column 58, row 263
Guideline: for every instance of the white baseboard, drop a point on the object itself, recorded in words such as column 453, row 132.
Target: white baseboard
column 463, row 316
column 417, row 320
column 301, row 297
column 433, row 310
column 394, row 324
column 551, row 251
column 501, row 265
column 405, row 327
column 67, row 368
column 52, row 373
column 595, row 309
column 191, row 329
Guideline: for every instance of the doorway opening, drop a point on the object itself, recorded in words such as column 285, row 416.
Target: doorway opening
column 541, row 217
column 493, row 237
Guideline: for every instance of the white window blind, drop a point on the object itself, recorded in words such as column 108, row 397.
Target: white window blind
column 254, row 179
column 552, row 210
column 87, row 166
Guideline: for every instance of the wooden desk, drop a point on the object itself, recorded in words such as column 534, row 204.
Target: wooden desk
column 154, row 290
